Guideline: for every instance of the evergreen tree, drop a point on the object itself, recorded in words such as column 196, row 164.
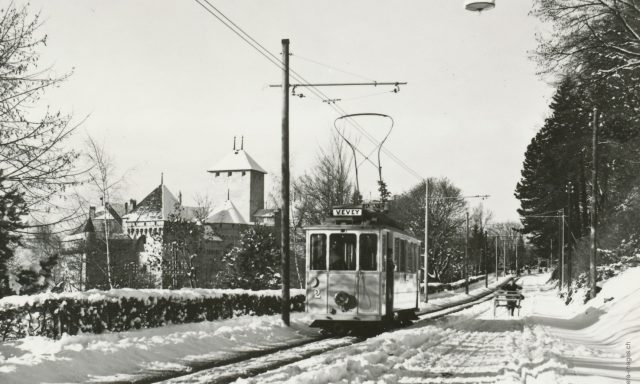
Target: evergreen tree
column 12, row 208
column 254, row 264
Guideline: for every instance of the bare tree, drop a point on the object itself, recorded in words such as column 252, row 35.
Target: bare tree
column 327, row 184
column 103, row 177
column 607, row 31
column 32, row 153
column 204, row 207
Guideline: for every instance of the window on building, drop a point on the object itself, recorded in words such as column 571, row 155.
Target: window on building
column 244, row 173
column 318, row 252
column 342, row 252
column 368, row 252
column 217, row 174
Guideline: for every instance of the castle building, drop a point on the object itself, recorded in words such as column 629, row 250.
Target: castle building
column 237, row 193
column 237, row 183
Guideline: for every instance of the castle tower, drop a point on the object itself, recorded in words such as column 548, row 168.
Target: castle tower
column 238, row 178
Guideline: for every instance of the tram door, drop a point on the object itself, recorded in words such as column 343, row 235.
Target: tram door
column 368, row 275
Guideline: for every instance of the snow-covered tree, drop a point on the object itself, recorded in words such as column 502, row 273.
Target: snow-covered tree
column 254, row 264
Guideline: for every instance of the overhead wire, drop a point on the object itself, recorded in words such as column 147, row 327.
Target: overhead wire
column 296, row 76
column 332, row 67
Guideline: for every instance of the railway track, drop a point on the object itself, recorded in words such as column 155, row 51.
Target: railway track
column 256, row 362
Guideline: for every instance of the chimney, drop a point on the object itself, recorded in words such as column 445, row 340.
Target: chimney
column 101, row 201
column 180, row 197
column 92, row 212
column 126, row 207
column 132, row 202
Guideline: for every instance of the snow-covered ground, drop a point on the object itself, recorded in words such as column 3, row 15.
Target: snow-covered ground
column 548, row 343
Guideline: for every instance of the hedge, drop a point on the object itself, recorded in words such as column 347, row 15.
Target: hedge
column 52, row 315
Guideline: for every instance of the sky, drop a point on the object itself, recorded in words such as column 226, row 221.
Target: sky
column 165, row 86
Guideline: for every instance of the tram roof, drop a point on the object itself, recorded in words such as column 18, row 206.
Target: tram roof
column 367, row 219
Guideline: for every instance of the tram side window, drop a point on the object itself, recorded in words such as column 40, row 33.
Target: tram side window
column 411, row 259
column 368, row 252
column 396, row 255
column 384, row 251
column 318, row 252
column 342, row 253
column 402, row 257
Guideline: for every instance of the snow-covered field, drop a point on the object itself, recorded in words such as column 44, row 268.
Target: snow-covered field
column 548, row 343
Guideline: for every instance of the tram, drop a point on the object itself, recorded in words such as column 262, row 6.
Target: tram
column 362, row 269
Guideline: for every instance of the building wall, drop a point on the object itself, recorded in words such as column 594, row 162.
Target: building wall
column 256, row 194
column 245, row 190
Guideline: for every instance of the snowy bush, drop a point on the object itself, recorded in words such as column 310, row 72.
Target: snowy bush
column 116, row 310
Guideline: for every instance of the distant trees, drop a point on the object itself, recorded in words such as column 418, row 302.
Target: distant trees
column 594, row 52
column 446, row 223
column 327, row 184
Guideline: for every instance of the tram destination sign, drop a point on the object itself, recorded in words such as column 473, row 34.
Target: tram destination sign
column 347, row 211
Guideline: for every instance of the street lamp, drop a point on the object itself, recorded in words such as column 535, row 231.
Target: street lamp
column 479, row 6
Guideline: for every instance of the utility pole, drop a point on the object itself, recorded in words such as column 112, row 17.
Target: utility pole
column 517, row 270
column 466, row 258
column 496, row 241
column 550, row 254
column 594, row 207
column 504, row 257
column 486, row 260
column 569, row 261
column 284, row 238
column 561, row 250
column 426, row 240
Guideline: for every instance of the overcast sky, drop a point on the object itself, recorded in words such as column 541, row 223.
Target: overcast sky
column 166, row 86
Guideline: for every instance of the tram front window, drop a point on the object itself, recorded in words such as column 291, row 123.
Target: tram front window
column 318, row 252
column 368, row 252
column 342, row 253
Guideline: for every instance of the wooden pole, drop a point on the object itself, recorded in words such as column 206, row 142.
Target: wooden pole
column 284, row 238
column 594, row 207
column 569, row 259
column 504, row 257
column 426, row 240
column 486, row 260
column 466, row 258
column 562, row 252
column 496, row 240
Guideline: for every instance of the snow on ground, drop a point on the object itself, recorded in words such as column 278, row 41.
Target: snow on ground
column 548, row 343
column 127, row 355
column 545, row 344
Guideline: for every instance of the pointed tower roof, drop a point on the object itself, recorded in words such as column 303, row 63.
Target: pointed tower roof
column 157, row 205
column 228, row 214
column 237, row 160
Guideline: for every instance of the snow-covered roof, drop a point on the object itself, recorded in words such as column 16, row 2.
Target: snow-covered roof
column 157, row 205
column 238, row 160
column 227, row 214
